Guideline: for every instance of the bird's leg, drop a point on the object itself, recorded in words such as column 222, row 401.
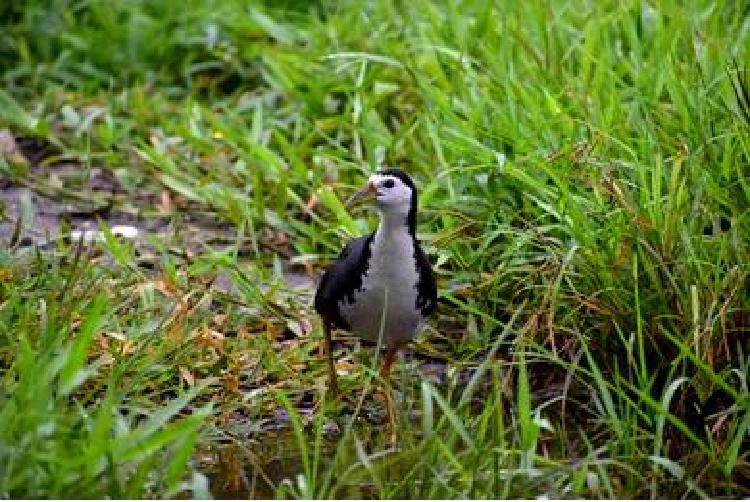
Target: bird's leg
column 385, row 375
column 388, row 359
column 333, row 385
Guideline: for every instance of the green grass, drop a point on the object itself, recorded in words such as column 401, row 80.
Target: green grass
column 584, row 190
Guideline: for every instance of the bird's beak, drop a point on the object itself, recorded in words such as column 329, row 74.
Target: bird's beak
column 368, row 191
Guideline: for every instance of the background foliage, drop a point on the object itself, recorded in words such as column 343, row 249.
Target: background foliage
column 584, row 182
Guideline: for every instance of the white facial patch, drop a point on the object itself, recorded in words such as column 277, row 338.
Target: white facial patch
column 391, row 192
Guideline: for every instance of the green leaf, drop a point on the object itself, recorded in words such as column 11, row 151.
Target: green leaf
column 74, row 370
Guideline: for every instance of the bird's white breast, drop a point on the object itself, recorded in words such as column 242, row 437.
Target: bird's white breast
column 387, row 300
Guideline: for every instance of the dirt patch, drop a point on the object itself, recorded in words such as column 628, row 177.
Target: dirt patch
column 43, row 199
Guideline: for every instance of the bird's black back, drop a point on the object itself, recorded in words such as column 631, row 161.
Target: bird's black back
column 342, row 279
column 426, row 287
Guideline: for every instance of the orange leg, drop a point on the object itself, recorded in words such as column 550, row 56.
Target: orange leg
column 388, row 359
column 333, row 385
column 385, row 375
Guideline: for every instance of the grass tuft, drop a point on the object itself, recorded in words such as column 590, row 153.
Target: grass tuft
column 584, row 195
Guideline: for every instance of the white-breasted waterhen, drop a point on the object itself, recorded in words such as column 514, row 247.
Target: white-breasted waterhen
column 381, row 287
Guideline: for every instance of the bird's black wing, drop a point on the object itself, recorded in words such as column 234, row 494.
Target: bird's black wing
column 342, row 279
column 426, row 287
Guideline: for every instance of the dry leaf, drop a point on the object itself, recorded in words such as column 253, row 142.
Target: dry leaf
column 310, row 204
column 232, row 469
column 165, row 205
column 6, row 275
column 165, row 287
column 117, row 336
column 10, row 151
column 103, row 343
column 281, row 239
column 116, row 343
column 210, row 338
column 219, row 320
column 187, row 376
column 344, row 368
column 272, row 332
column 176, row 330
column 126, row 348
column 106, row 360
column 232, row 383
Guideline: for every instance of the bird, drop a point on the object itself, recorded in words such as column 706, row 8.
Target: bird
column 382, row 287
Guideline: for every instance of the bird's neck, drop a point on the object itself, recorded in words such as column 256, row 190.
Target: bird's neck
column 393, row 229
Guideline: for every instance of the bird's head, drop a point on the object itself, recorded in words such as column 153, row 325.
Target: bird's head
column 394, row 192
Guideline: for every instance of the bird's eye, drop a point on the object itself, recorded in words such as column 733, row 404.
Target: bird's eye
column 389, row 184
